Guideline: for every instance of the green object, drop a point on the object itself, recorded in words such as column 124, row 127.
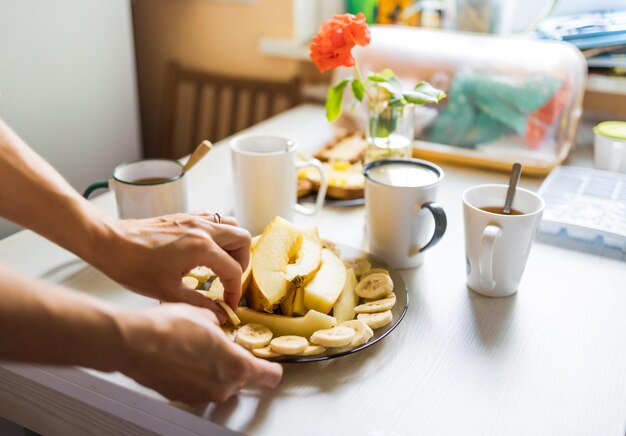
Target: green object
column 368, row 7
column 334, row 99
column 612, row 129
column 483, row 107
column 388, row 88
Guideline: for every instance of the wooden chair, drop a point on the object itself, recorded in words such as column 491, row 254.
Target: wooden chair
column 234, row 104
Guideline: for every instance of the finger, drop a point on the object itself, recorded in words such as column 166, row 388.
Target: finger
column 234, row 240
column 265, row 374
column 227, row 269
column 258, row 372
column 231, row 221
column 186, row 295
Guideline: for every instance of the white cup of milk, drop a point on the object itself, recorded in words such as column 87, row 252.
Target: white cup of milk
column 403, row 219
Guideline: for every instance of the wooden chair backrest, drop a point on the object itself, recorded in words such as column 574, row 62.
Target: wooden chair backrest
column 236, row 103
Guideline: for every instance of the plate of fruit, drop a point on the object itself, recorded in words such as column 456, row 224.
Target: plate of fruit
column 305, row 299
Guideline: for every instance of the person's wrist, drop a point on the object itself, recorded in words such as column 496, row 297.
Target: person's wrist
column 103, row 242
column 136, row 338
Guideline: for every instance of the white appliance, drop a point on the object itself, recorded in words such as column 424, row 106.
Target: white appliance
column 68, row 84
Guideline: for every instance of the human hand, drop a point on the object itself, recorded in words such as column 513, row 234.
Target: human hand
column 179, row 351
column 150, row 256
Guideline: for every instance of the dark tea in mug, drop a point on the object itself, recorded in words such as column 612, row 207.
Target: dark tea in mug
column 500, row 210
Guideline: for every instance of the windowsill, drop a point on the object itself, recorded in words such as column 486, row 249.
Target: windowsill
column 284, row 48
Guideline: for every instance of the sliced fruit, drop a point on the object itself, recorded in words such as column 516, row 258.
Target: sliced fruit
column 229, row 331
column 285, row 325
column 286, row 305
column 359, row 265
column 298, row 307
column 313, row 350
column 232, row 318
column 265, row 353
column 304, row 258
column 374, row 286
column 343, row 310
column 377, row 305
column 331, row 246
column 288, row 345
column 339, row 336
column 376, row 320
column 363, row 332
column 375, row 271
column 253, row 336
column 202, row 273
column 322, row 292
column 278, row 247
column 190, row 282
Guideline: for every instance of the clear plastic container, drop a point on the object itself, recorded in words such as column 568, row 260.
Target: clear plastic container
column 509, row 99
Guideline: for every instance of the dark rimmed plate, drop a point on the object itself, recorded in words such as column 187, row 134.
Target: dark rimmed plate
column 398, row 311
column 334, row 202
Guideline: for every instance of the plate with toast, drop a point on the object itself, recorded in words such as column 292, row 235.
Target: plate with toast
column 342, row 160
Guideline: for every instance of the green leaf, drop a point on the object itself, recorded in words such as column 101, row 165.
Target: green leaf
column 424, row 93
column 358, row 89
column 334, row 100
column 374, row 77
column 388, row 73
column 395, row 101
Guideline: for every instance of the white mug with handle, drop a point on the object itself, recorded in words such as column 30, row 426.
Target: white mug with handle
column 146, row 188
column 497, row 245
column 403, row 219
column 265, row 171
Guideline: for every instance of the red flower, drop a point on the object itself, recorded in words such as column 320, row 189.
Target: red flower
column 332, row 45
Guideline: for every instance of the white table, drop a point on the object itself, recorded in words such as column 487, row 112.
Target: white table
column 549, row 360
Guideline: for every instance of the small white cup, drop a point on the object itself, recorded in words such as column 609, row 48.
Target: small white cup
column 609, row 147
column 265, row 171
column 497, row 245
column 399, row 202
column 146, row 199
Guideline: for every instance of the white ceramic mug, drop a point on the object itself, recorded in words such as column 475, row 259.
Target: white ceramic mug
column 609, row 146
column 497, row 245
column 265, row 171
column 137, row 197
column 400, row 207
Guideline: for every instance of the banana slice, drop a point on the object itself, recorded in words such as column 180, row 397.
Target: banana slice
column 335, row 337
column 190, row 282
column 253, row 336
column 230, row 313
column 375, row 271
column 202, row 273
column 331, row 246
column 290, row 344
column 265, row 353
column 376, row 320
column 377, row 305
column 359, row 265
column 313, row 350
column 229, row 331
column 363, row 332
column 374, row 286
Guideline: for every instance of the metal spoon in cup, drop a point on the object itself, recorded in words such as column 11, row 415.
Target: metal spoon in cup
column 200, row 151
column 516, row 172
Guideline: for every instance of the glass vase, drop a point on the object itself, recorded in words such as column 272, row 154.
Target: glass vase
column 389, row 132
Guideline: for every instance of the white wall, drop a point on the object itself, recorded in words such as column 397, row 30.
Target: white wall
column 68, row 84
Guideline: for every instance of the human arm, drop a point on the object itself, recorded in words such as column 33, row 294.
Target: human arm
column 147, row 256
column 176, row 349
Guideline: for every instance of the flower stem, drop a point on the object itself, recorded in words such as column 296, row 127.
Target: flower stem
column 357, row 71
